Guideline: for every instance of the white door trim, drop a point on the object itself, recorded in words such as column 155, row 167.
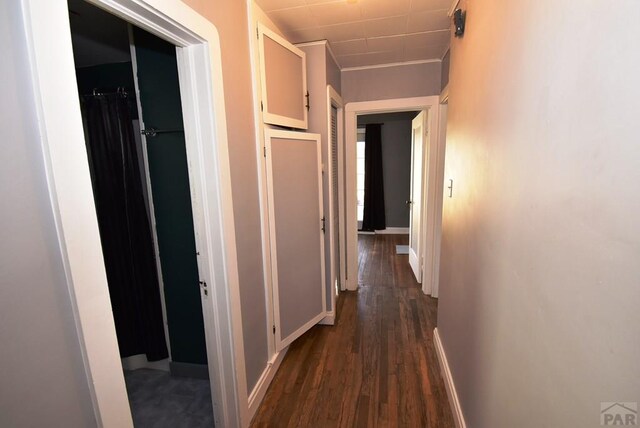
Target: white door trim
column 62, row 138
column 260, row 126
column 352, row 110
column 335, row 100
column 439, row 188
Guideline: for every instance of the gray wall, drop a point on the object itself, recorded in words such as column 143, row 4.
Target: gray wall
column 333, row 72
column 230, row 19
column 43, row 378
column 318, row 67
column 385, row 83
column 540, row 272
column 446, row 63
column 396, row 163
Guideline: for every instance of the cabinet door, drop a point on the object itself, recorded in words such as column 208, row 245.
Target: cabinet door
column 294, row 191
column 283, row 79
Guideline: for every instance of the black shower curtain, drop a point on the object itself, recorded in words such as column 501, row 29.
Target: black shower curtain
column 124, row 226
column 373, row 216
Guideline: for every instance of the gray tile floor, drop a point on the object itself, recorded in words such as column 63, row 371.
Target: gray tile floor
column 158, row 400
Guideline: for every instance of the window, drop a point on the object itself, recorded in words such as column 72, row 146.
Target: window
column 360, row 173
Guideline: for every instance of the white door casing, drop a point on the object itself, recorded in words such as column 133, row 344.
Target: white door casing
column 418, row 134
column 352, row 110
column 335, row 132
column 296, row 222
column 62, row 139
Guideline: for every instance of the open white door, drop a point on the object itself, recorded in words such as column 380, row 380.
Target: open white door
column 418, row 126
column 296, row 228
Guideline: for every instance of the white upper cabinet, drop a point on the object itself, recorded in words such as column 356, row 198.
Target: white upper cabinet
column 283, row 79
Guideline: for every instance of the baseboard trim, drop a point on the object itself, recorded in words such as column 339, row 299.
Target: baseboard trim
column 330, row 319
column 458, row 417
column 393, row 231
column 256, row 396
column 195, row 371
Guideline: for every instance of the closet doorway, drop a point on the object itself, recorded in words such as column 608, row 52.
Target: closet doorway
column 134, row 134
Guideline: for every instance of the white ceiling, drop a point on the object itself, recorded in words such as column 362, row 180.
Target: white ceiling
column 367, row 32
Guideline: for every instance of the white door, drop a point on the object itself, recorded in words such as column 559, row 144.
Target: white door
column 418, row 130
column 296, row 228
column 335, row 194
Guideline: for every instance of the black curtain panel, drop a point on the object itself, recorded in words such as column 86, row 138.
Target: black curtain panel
column 373, row 216
column 124, row 225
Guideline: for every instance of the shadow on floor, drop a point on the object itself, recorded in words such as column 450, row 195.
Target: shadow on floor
column 159, row 400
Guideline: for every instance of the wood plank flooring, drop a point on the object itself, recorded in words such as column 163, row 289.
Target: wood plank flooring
column 377, row 367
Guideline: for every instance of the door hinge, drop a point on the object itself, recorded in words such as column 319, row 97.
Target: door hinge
column 257, row 33
column 308, row 103
column 204, row 287
column 261, row 106
column 323, row 223
column 274, row 329
column 264, row 151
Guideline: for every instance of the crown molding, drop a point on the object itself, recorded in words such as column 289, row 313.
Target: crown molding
column 313, row 43
column 391, row 64
column 453, row 7
column 333, row 55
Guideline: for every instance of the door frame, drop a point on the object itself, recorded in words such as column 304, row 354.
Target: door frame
column 334, row 100
column 443, row 109
column 352, row 111
column 67, row 171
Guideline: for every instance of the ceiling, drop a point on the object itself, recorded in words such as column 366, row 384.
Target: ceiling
column 98, row 37
column 367, row 32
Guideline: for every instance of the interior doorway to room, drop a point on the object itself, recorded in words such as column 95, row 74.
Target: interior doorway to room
column 134, row 132
column 420, row 216
column 389, row 176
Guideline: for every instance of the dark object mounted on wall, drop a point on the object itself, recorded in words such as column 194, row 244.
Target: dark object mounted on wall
column 459, row 17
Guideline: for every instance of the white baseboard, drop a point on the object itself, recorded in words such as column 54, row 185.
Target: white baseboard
column 330, row 319
column 458, row 417
column 256, row 396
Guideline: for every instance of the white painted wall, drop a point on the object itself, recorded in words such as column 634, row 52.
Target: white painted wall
column 43, row 378
column 540, row 266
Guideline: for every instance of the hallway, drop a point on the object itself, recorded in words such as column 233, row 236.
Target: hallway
column 376, row 367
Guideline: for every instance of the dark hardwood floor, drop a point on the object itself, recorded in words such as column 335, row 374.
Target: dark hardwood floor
column 376, row 367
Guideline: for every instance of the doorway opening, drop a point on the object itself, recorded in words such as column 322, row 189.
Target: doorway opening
column 53, row 76
column 134, row 133
column 388, row 185
column 414, row 203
